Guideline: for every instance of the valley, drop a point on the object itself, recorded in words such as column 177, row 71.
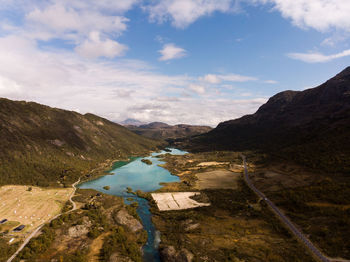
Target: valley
column 185, row 196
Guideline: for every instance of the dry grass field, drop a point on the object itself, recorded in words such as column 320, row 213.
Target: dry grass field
column 218, row 179
column 176, row 201
column 31, row 208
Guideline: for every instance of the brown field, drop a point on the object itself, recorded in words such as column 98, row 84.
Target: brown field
column 95, row 247
column 217, row 179
column 176, row 200
column 31, row 208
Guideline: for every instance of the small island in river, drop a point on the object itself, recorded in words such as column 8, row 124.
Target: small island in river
column 146, row 161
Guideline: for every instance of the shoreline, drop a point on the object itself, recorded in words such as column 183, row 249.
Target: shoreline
column 105, row 167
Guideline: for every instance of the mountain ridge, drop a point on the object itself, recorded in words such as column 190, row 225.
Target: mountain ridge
column 309, row 127
column 163, row 131
column 43, row 145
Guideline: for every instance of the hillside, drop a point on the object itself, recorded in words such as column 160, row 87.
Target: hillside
column 162, row 131
column 49, row 146
column 310, row 127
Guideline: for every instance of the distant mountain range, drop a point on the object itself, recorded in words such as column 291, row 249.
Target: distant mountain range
column 41, row 145
column 132, row 122
column 162, row 131
column 311, row 127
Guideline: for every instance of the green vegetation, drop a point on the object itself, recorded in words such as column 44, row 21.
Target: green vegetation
column 229, row 230
column 146, row 161
column 306, row 127
column 42, row 145
column 235, row 227
column 118, row 164
column 7, row 250
column 120, row 240
column 74, row 233
column 38, row 245
column 322, row 210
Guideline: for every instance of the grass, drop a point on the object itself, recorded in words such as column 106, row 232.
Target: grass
column 43, row 146
column 235, row 227
column 31, row 208
column 55, row 242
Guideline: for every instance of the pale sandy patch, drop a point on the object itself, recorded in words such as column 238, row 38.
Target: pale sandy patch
column 236, row 168
column 176, row 201
column 31, row 208
column 219, row 179
column 213, row 163
column 184, row 173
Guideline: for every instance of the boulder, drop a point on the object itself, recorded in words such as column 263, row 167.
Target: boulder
column 169, row 254
column 125, row 219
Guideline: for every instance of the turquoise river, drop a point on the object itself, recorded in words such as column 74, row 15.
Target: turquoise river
column 138, row 176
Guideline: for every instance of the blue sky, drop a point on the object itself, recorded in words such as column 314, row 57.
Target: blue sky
column 176, row 61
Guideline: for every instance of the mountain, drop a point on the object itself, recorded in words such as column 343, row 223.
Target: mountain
column 41, row 145
column 132, row 122
column 311, row 127
column 162, row 131
column 155, row 125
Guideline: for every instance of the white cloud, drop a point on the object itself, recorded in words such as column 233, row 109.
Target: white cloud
column 197, row 88
column 62, row 19
column 321, row 15
column 95, row 47
column 171, row 51
column 74, row 21
column 212, row 79
column 182, row 13
column 237, row 78
column 316, row 57
column 216, row 79
column 272, row 82
column 65, row 80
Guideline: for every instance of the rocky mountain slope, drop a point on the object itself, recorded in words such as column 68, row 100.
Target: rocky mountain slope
column 311, row 127
column 162, row 131
column 49, row 146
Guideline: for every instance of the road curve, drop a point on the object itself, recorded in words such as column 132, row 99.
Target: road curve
column 283, row 218
column 26, row 241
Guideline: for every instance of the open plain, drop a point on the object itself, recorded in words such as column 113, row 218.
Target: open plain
column 31, row 206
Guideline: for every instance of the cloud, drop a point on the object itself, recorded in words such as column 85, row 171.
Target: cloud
column 272, row 82
column 216, row 79
column 321, row 15
column 91, row 27
column 95, row 47
column 171, row 51
column 182, row 13
column 315, row 57
column 64, row 20
column 197, row 88
column 34, row 69
column 212, row 79
column 111, row 89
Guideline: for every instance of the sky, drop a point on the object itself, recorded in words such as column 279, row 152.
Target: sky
column 175, row 61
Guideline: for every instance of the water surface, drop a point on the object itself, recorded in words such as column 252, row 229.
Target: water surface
column 138, row 176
